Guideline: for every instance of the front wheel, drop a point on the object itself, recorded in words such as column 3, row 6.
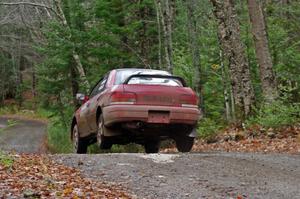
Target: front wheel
column 80, row 145
column 184, row 144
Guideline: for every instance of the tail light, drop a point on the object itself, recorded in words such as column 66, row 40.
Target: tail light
column 123, row 98
column 190, row 101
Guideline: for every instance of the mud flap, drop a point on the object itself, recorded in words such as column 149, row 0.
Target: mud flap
column 193, row 134
column 109, row 132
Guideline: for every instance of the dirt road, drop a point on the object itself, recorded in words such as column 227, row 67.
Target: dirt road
column 174, row 176
column 206, row 175
column 22, row 136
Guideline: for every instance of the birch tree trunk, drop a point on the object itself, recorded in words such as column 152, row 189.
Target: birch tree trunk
column 78, row 64
column 263, row 55
column 195, row 49
column 158, row 21
column 228, row 110
column 234, row 51
column 167, row 13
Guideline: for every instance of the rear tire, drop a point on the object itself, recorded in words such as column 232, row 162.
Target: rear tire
column 102, row 141
column 80, row 144
column 184, row 144
column 152, row 146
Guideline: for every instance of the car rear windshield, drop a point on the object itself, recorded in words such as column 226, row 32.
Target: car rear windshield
column 122, row 76
column 166, row 81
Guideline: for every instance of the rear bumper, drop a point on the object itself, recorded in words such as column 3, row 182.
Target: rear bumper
column 127, row 113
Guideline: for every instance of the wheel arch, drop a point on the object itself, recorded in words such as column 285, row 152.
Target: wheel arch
column 74, row 122
column 98, row 113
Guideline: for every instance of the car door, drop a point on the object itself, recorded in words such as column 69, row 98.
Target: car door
column 94, row 103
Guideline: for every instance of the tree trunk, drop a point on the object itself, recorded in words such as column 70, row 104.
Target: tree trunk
column 167, row 14
column 74, row 86
column 263, row 55
column 234, row 51
column 33, row 83
column 194, row 47
column 158, row 21
column 227, row 104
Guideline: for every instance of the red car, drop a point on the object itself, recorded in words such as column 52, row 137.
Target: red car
column 136, row 105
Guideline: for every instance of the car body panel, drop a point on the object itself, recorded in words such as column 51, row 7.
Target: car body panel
column 127, row 113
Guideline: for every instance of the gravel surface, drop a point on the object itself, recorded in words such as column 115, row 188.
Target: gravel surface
column 206, row 175
column 23, row 136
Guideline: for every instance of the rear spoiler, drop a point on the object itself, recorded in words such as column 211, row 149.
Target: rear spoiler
column 156, row 76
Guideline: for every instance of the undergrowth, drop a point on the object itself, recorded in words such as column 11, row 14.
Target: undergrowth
column 275, row 115
column 6, row 160
column 208, row 128
column 58, row 137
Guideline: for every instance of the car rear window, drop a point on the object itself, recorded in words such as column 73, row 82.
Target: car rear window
column 155, row 81
column 122, row 75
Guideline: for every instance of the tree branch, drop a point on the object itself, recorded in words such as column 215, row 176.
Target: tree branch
column 32, row 4
column 26, row 3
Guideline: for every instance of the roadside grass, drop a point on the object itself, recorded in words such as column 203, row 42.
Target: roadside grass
column 16, row 113
column 58, row 137
column 6, row 160
column 10, row 123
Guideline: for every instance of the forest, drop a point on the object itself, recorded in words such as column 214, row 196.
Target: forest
column 242, row 57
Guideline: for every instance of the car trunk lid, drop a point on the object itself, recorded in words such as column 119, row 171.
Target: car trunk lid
column 157, row 94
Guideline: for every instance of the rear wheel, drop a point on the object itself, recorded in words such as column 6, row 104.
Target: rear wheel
column 80, row 145
column 102, row 141
column 152, row 146
column 184, row 144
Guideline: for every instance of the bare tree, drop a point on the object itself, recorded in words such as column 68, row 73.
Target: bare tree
column 234, row 51
column 263, row 55
column 20, row 23
column 20, row 15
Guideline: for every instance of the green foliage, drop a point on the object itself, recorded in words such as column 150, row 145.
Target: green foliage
column 7, row 80
column 8, row 110
column 11, row 123
column 39, row 113
column 283, row 28
column 208, row 128
column 276, row 115
column 58, row 137
column 6, row 160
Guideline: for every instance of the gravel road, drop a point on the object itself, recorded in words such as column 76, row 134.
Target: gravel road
column 205, row 175
column 22, row 136
column 173, row 176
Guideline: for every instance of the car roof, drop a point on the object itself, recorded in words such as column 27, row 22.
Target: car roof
column 143, row 69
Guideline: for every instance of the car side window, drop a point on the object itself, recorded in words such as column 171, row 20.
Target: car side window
column 99, row 87
column 102, row 85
